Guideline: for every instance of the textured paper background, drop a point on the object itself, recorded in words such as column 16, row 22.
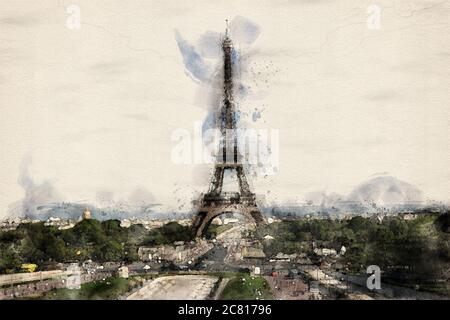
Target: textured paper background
column 95, row 108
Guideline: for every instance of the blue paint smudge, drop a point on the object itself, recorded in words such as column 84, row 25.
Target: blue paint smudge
column 209, row 122
column 244, row 30
column 193, row 62
column 209, row 45
column 256, row 115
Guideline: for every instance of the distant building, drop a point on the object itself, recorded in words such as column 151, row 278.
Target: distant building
column 230, row 220
column 325, row 252
column 280, row 271
column 123, row 272
column 273, row 219
column 86, row 214
column 59, row 223
column 284, row 257
column 66, row 225
column 409, row 216
column 125, row 223
column 252, row 252
column 180, row 253
column 184, row 222
column 13, row 223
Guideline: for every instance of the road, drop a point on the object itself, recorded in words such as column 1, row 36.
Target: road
column 185, row 287
column 220, row 258
column 387, row 291
column 9, row 279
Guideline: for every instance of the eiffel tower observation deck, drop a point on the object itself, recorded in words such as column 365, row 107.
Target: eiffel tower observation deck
column 217, row 202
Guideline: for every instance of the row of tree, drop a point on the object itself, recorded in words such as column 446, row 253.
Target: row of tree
column 421, row 245
column 88, row 239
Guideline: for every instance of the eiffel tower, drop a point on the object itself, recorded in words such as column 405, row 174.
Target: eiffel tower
column 216, row 202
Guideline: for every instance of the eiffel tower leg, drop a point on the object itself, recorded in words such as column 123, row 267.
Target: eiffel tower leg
column 200, row 223
column 197, row 220
column 216, row 184
column 243, row 184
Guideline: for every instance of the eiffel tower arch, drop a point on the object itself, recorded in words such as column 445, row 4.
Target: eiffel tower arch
column 217, row 202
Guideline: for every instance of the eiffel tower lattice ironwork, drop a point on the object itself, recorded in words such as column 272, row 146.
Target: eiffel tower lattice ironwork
column 216, row 202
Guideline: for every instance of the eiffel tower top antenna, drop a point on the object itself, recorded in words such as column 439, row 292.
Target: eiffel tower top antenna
column 226, row 28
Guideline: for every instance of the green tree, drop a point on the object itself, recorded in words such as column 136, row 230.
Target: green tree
column 9, row 258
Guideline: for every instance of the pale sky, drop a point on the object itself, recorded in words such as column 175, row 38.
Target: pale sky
column 95, row 107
